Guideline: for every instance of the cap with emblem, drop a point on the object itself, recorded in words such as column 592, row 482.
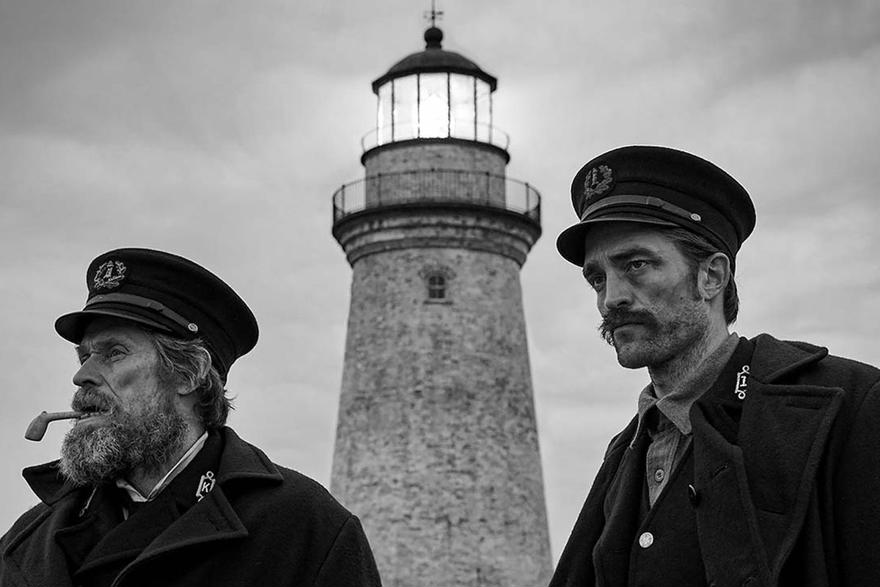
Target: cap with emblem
column 167, row 293
column 660, row 186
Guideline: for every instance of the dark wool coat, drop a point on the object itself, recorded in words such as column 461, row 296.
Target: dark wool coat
column 792, row 500
column 259, row 525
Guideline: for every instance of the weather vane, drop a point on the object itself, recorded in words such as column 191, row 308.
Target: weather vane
column 434, row 14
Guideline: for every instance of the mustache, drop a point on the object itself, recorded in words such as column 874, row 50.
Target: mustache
column 87, row 399
column 617, row 317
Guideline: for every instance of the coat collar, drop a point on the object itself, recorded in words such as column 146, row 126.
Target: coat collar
column 773, row 438
column 242, row 461
column 774, row 359
column 212, row 519
column 239, row 460
column 48, row 484
column 755, row 482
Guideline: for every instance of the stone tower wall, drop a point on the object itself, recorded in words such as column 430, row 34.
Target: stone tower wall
column 436, row 446
column 411, row 156
column 388, row 180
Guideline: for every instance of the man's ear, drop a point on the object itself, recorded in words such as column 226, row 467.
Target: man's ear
column 186, row 388
column 714, row 275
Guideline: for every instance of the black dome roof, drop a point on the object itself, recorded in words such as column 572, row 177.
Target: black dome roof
column 434, row 59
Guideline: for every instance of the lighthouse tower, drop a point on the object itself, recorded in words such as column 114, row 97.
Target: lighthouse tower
column 436, row 445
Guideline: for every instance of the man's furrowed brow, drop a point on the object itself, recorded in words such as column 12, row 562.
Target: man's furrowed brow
column 97, row 345
column 619, row 257
column 623, row 255
column 85, row 348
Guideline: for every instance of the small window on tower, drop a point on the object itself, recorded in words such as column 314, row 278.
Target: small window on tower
column 436, row 287
column 436, row 279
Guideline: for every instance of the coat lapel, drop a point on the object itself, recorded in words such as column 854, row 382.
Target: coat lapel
column 754, row 488
column 45, row 565
column 100, row 514
column 210, row 521
column 169, row 527
column 622, row 512
column 179, row 518
column 40, row 566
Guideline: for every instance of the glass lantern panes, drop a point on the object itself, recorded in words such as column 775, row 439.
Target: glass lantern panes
column 463, row 116
column 384, row 127
column 434, row 105
column 483, row 106
column 405, row 99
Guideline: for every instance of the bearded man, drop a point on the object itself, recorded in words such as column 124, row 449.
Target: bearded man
column 152, row 488
column 750, row 461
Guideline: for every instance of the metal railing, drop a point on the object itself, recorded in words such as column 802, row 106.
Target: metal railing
column 433, row 186
column 468, row 131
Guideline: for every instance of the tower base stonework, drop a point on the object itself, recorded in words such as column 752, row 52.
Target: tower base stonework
column 436, row 446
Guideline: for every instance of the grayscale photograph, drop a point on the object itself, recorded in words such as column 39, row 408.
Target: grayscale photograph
column 440, row 293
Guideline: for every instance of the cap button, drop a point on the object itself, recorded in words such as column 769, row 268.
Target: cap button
column 696, row 217
column 192, row 327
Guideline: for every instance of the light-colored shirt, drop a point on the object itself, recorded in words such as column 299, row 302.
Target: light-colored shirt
column 137, row 497
column 667, row 420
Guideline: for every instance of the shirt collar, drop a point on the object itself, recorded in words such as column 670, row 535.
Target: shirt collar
column 186, row 459
column 676, row 405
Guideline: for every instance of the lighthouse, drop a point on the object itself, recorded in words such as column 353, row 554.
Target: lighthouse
column 436, row 443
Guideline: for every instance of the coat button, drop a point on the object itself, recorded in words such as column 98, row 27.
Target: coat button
column 693, row 495
column 646, row 539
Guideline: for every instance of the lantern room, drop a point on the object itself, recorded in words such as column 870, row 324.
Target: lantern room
column 434, row 94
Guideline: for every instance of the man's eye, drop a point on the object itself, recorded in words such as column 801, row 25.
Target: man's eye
column 83, row 358
column 636, row 264
column 596, row 281
column 114, row 353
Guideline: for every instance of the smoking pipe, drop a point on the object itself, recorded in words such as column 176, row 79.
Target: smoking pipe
column 38, row 426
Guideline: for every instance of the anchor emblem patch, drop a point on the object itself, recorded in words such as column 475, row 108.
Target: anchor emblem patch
column 206, row 485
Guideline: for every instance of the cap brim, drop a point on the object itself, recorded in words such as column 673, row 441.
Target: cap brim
column 72, row 326
column 570, row 242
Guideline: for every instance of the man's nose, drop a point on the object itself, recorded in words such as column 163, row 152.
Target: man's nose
column 86, row 373
column 617, row 293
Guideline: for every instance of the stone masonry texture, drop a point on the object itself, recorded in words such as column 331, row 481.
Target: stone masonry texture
column 436, row 447
column 408, row 157
column 436, row 444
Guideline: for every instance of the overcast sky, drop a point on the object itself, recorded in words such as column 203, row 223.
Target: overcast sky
column 219, row 131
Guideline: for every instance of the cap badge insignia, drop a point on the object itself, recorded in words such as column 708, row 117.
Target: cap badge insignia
column 598, row 181
column 109, row 275
column 206, row 485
